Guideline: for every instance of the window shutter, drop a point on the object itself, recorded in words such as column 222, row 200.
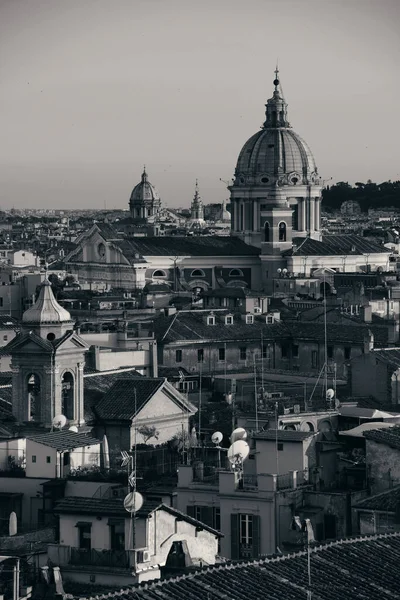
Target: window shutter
column 190, row 511
column 256, row 536
column 235, row 536
column 207, row 515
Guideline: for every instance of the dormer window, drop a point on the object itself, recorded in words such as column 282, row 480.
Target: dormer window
column 249, row 319
column 211, row 320
column 270, row 319
column 229, row 320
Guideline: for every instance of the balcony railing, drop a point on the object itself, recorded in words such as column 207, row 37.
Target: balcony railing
column 293, row 480
column 100, row 558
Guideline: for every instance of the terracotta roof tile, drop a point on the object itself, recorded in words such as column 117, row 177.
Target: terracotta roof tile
column 387, row 501
column 119, row 402
column 390, row 436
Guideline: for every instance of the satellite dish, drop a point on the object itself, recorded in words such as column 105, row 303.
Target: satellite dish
column 330, row 394
column 12, row 524
column 238, row 434
column 238, row 451
column 59, row 421
column 73, row 428
column 217, row 438
column 133, row 502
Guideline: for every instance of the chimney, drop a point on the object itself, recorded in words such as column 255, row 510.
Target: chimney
column 368, row 342
column 366, row 314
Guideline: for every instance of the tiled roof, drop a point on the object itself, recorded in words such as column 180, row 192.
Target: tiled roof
column 192, row 326
column 64, row 439
column 196, row 246
column 77, row 505
column 351, row 569
column 7, row 322
column 390, row 437
column 284, row 435
column 334, row 245
column 108, row 232
column 119, row 401
column 391, row 356
column 386, row 501
column 103, row 381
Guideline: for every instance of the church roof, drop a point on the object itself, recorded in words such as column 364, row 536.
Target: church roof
column 46, row 309
column 119, row 401
column 335, row 245
column 144, row 192
column 351, row 568
column 193, row 246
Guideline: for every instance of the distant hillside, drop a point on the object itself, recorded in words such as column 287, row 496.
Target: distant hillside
column 368, row 195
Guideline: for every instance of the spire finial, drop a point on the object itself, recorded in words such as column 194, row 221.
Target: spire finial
column 144, row 174
column 276, row 80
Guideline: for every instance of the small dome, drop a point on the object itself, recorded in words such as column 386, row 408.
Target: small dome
column 274, row 152
column 144, row 192
column 46, row 309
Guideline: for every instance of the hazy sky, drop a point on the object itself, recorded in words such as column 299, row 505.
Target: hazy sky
column 93, row 89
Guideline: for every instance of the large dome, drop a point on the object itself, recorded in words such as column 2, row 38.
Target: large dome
column 144, row 192
column 276, row 154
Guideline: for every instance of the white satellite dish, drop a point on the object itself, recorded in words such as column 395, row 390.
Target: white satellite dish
column 330, row 394
column 12, row 524
column 59, row 421
column 238, row 434
column 73, row 428
column 217, row 438
column 133, row 502
column 238, row 451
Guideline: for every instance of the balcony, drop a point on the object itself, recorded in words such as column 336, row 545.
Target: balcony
column 293, row 480
column 106, row 559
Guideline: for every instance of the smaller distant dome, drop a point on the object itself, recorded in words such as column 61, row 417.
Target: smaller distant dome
column 144, row 192
column 46, row 309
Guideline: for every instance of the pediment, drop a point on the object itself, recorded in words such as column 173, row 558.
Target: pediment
column 28, row 344
column 73, row 342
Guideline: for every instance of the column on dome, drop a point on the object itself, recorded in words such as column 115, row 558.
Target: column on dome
column 302, row 213
column 255, row 215
column 317, row 214
column 312, row 214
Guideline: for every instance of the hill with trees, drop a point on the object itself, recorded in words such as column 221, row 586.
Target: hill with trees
column 368, row 195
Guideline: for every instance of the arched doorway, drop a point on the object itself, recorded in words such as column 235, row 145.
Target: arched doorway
column 67, row 395
column 33, row 390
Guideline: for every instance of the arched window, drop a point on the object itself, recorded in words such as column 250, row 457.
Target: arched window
column 236, row 273
column 159, row 273
column 282, row 231
column 33, row 390
column 67, row 397
column 197, row 273
column 266, row 231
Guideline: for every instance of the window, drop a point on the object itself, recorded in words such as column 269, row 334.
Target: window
column 236, row 273
column 66, row 459
column 5, row 337
column 249, row 319
column 264, row 351
column 117, row 534
column 178, row 356
column 243, row 353
column 200, row 355
column 210, row 320
column 197, row 273
column 221, row 354
column 284, row 351
column 246, row 529
column 270, row 320
column 85, row 535
column 329, row 351
column 159, row 273
column 266, row 231
column 280, row 446
column 282, row 231
column 33, row 458
column 295, row 351
column 347, row 353
column 314, row 359
column 229, row 320
column 48, row 459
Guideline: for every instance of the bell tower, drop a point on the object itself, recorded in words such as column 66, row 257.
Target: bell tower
column 47, row 362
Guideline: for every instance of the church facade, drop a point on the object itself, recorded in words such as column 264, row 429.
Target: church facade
column 275, row 200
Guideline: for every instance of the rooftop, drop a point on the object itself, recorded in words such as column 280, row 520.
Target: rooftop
column 390, row 437
column 63, row 439
column 386, row 501
column 351, row 569
column 334, row 245
column 283, row 435
column 193, row 246
column 119, row 402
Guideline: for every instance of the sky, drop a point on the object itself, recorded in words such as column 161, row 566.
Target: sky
column 91, row 90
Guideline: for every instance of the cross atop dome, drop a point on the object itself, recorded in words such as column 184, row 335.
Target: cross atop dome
column 276, row 107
